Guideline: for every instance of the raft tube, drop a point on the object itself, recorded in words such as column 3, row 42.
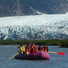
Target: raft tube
column 40, row 55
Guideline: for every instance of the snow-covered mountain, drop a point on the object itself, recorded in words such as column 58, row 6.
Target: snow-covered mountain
column 34, row 27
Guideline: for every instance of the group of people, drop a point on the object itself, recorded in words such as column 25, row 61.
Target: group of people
column 31, row 48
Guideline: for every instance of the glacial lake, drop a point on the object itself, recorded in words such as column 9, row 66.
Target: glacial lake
column 56, row 61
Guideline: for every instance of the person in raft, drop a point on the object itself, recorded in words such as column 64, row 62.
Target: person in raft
column 28, row 49
column 22, row 49
column 40, row 48
column 30, row 45
column 34, row 48
column 45, row 48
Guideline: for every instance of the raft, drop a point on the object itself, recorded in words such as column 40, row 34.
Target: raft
column 40, row 55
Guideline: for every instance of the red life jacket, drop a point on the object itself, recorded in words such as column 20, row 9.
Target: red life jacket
column 28, row 49
column 34, row 49
column 46, row 49
column 40, row 48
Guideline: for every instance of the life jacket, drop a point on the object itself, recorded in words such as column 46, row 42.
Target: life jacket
column 22, row 48
column 28, row 49
column 46, row 49
column 40, row 48
column 35, row 50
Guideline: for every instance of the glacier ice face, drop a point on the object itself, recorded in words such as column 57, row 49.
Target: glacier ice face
column 34, row 27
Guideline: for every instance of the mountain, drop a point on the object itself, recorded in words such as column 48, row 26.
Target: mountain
column 34, row 27
column 32, row 7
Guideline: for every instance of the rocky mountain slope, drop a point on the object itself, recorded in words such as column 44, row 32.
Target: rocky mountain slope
column 32, row 7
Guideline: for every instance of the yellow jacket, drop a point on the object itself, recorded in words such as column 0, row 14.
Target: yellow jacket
column 22, row 49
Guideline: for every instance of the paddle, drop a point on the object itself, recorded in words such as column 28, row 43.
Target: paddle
column 13, row 56
column 60, row 53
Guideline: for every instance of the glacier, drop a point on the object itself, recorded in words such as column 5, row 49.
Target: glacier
column 34, row 27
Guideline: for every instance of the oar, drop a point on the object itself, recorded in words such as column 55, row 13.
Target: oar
column 13, row 56
column 60, row 53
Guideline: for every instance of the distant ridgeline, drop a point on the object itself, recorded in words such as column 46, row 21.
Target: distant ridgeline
column 32, row 7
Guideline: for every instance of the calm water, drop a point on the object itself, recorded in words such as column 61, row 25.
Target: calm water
column 56, row 61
